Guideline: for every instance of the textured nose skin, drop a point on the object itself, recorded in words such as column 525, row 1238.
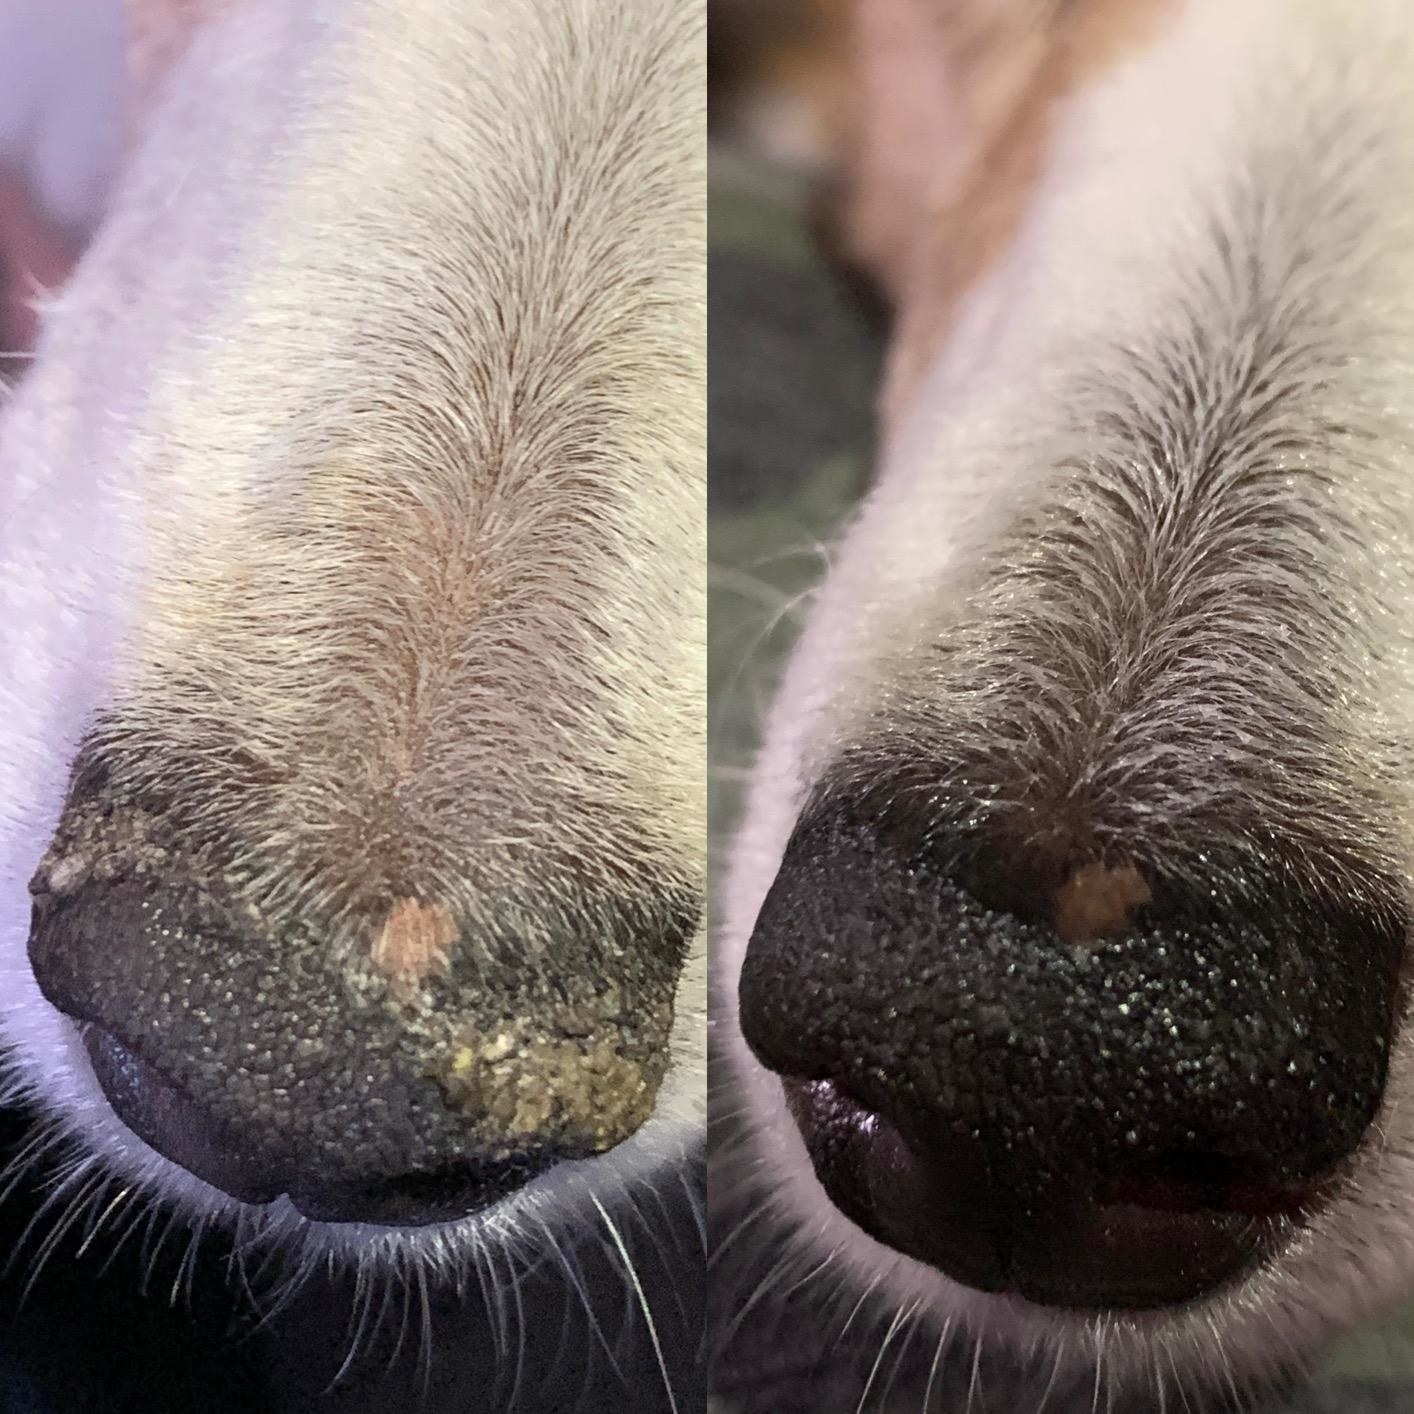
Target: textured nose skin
column 1195, row 1061
column 260, row 1069
column 410, row 1070
column 258, row 1167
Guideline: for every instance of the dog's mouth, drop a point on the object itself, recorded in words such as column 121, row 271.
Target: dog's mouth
column 1159, row 1235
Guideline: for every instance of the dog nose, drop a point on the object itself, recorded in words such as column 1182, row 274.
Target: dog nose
column 258, row 1166
column 257, row 1058
column 1118, row 1114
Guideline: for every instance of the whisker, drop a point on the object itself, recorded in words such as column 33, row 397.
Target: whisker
column 117, row 1202
column 934, row 1368
column 577, row 1282
column 900, row 1317
column 642, row 1300
column 975, row 1378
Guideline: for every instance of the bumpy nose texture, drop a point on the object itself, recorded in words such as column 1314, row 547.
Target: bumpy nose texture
column 256, row 1065
column 1016, row 1080
column 258, row 1167
column 415, row 1077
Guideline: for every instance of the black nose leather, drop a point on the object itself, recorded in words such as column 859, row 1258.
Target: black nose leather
column 1121, row 1123
column 404, row 1048
column 258, row 1167
column 255, row 1068
column 267, row 1066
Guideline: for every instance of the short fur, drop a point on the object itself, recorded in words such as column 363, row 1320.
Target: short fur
column 1140, row 562
column 354, row 498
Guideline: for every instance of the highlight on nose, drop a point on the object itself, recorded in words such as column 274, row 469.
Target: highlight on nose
column 1121, row 1104
column 415, row 1079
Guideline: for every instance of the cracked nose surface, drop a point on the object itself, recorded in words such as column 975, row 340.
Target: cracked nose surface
column 1121, row 1121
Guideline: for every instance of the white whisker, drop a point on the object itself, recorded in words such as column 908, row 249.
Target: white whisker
column 631, row 1272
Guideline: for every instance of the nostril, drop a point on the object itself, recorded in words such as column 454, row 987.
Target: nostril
column 1155, row 1234
column 167, row 1118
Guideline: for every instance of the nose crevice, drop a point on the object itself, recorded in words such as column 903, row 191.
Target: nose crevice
column 1203, row 1070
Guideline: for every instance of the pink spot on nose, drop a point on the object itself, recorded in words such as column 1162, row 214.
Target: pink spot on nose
column 415, row 941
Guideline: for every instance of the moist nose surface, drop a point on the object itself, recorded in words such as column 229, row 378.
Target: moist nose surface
column 1122, row 1123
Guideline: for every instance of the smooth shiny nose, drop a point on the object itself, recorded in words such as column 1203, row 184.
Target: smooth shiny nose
column 1123, row 1112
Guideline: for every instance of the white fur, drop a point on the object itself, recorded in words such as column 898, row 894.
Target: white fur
column 265, row 295
column 1285, row 130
